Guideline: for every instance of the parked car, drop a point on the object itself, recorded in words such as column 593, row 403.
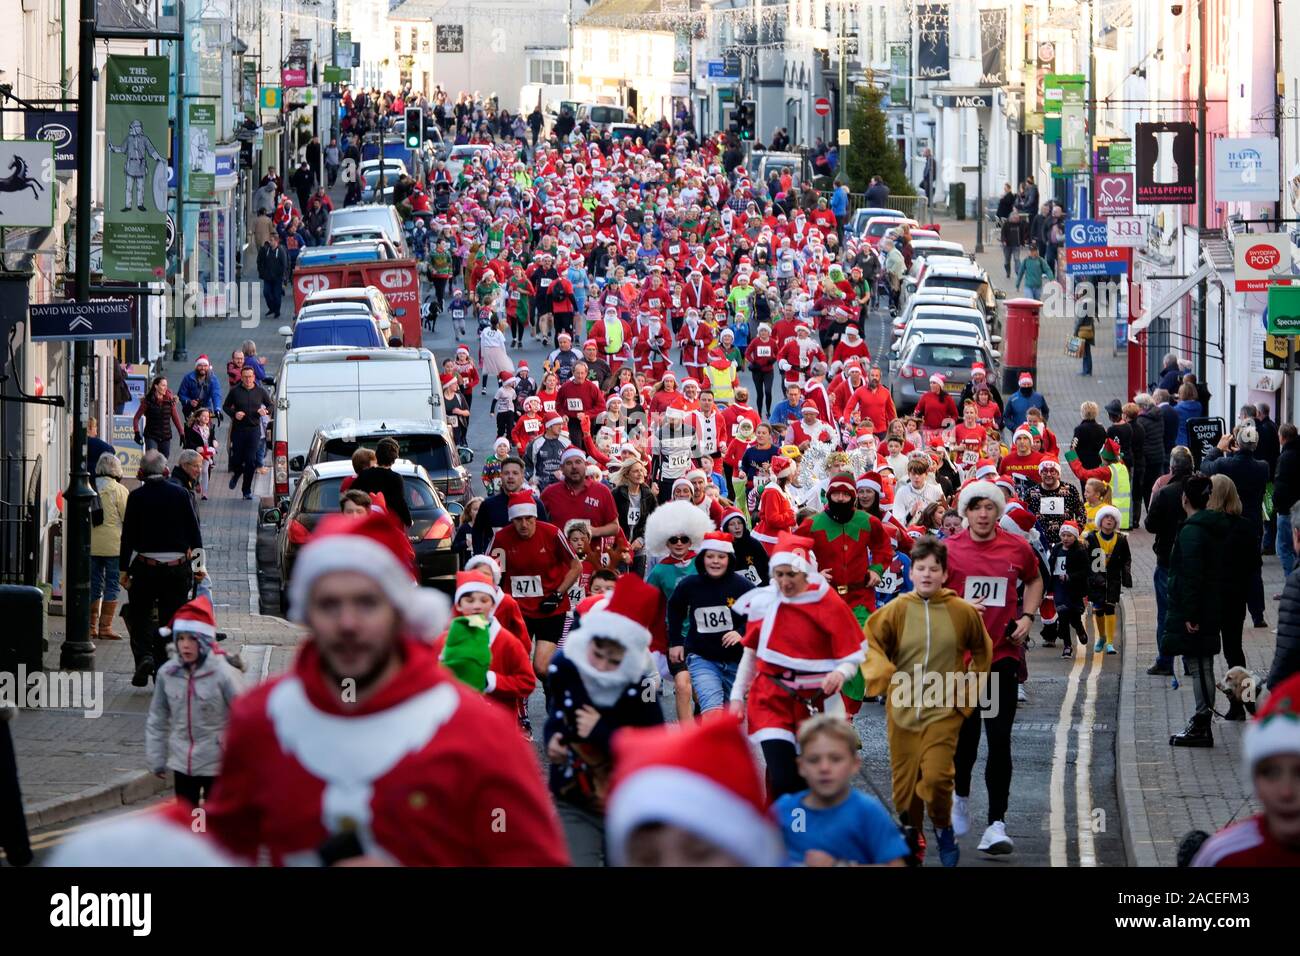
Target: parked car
column 970, row 317
column 601, row 115
column 349, row 330
column 958, row 326
column 877, row 226
column 370, row 215
column 956, row 298
column 426, row 442
column 949, row 355
column 317, row 385
column 431, row 533
column 858, row 221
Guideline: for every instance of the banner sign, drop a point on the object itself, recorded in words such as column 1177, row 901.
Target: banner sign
column 1166, row 163
column 58, row 127
column 932, row 41
column 1260, row 260
column 1127, row 231
column 900, row 68
column 270, row 99
column 27, row 183
column 1246, row 169
column 337, row 74
column 201, row 152
column 1086, row 251
column 1204, row 435
column 135, row 171
column 449, row 37
column 294, row 72
column 993, row 46
column 1283, row 310
column 1114, row 195
column 81, row 321
column 343, row 49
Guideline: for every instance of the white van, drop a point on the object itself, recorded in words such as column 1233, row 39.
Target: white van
column 602, row 115
column 325, row 383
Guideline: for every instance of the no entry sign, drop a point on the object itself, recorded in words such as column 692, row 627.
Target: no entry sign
column 821, row 106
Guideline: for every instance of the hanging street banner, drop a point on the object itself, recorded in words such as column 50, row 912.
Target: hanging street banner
column 1166, row 163
column 993, row 47
column 343, row 49
column 932, row 25
column 1245, row 169
column 27, row 183
column 900, row 67
column 135, row 171
column 1261, row 259
column 81, row 321
column 1114, row 195
column 201, row 155
column 1127, row 231
column 294, row 71
column 58, row 127
column 1283, row 310
column 1087, row 252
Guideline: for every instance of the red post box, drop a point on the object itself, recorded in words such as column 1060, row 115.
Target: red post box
column 1019, row 342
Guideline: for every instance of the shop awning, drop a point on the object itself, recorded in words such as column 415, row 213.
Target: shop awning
column 1170, row 299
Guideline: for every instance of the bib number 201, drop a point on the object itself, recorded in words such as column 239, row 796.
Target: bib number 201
column 990, row 592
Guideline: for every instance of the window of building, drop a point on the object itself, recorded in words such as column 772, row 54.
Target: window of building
column 413, row 39
column 547, row 72
column 615, row 41
column 397, row 39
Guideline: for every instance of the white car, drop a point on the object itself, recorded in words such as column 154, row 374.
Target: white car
column 955, row 298
column 946, row 318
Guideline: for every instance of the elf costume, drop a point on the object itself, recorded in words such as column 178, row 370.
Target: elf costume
column 1113, row 472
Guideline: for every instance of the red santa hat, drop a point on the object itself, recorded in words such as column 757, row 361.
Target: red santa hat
column 554, row 420
column 626, row 617
column 521, row 504
column 1007, row 486
column 196, row 617
column 1276, row 727
column 1049, row 464
column 937, row 379
column 870, row 480
column 841, row 482
column 783, row 467
column 718, row 541
column 488, row 564
column 1018, row 518
column 532, row 402
column 373, row 545
column 986, row 469
column 794, row 551
column 1070, row 527
column 447, row 379
column 975, row 490
column 728, row 514
column 571, row 453
column 504, row 376
column 1022, row 431
column 522, row 367
column 202, row 360
column 1111, row 511
column 977, row 368
column 702, row 779
column 463, row 348
column 1026, row 380
column 475, row 582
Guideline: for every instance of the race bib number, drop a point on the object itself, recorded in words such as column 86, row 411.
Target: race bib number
column 575, row 404
column 576, row 594
column 969, row 458
column 678, row 461
column 458, row 313
column 544, row 283
column 890, row 582
column 532, row 426
column 1059, row 570
column 1051, row 506
column 991, row 592
column 514, row 295
column 713, row 620
column 750, row 574
column 526, row 586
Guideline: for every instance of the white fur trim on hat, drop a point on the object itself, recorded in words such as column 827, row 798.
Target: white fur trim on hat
column 795, row 561
column 673, row 518
column 722, row 547
column 683, row 798
column 424, row 610
column 522, row 511
column 477, row 587
column 1111, row 510
column 484, row 561
column 571, row 453
column 981, row 489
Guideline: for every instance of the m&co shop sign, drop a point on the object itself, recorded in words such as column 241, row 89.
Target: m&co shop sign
column 1261, row 260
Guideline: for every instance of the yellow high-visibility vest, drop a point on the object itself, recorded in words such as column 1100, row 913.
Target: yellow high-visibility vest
column 1121, row 494
column 720, row 381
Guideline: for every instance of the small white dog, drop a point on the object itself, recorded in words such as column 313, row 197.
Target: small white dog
column 1241, row 685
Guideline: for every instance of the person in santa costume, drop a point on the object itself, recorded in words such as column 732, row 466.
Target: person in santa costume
column 613, row 338
column 368, row 749
column 537, row 569
column 775, row 512
column 191, row 703
column 689, row 796
column 476, row 643
column 650, row 345
column 852, row 546
column 797, row 356
column 1022, row 464
column 801, row 644
column 1271, row 754
column 695, row 338
column 161, row 836
column 929, row 632
column 601, row 681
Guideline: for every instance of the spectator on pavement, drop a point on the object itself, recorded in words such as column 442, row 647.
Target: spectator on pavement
column 1164, row 518
column 105, row 547
column 95, row 446
column 160, row 534
column 14, row 841
column 1019, row 402
column 199, row 389
column 1235, row 457
column 1171, row 376
column 1089, row 436
column 188, row 474
column 160, row 411
column 272, row 269
column 1169, row 416
column 1286, row 652
column 1286, row 492
column 1188, row 407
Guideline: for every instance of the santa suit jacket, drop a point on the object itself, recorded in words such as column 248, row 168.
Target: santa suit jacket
column 799, row 359
column 695, row 343
column 697, row 293
column 416, row 772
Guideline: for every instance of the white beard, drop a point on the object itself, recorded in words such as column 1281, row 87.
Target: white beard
column 604, row 687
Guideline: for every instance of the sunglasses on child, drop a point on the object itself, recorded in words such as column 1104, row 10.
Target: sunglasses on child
column 679, row 539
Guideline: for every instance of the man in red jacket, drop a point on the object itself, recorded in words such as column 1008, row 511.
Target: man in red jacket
column 325, row 764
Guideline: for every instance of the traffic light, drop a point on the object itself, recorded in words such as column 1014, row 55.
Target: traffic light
column 748, row 113
column 414, row 127
column 734, row 126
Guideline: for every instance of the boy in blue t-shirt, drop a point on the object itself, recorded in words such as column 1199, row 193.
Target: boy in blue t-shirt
column 830, row 823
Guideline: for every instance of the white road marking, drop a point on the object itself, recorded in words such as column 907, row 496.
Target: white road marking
column 1060, row 752
column 1083, row 763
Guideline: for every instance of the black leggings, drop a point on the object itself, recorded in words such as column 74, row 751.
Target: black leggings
column 1234, row 620
column 518, row 326
column 763, row 391
column 440, row 290
column 192, row 789
column 782, row 770
column 1072, row 619
column 1003, row 683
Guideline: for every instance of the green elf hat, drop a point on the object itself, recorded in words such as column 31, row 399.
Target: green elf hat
column 466, row 653
column 1110, row 451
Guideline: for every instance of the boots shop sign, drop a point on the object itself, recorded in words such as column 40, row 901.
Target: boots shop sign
column 1166, row 163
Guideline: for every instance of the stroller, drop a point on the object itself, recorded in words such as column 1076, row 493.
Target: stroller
column 441, row 196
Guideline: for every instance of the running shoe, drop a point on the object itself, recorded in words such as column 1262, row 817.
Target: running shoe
column 949, row 851
column 1067, row 650
column 1022, row 695
column 1099, row 646
column 995, row 840
column 960, row 815
column 1110, row 649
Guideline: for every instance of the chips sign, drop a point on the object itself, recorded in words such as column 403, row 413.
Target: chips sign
column 1260, row 260
column 1283, row 310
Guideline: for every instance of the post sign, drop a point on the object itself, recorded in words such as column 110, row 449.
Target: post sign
column 1283, row 310
column 58, row 127
column 80, row 321
column 1261, row 259
column 1203, row 435
column 27, row 183
column 1245, row 168
column 1114, row 195
column 1166, row 163
column 135, row 171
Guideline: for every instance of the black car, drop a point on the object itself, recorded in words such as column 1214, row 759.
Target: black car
column 317, row 494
